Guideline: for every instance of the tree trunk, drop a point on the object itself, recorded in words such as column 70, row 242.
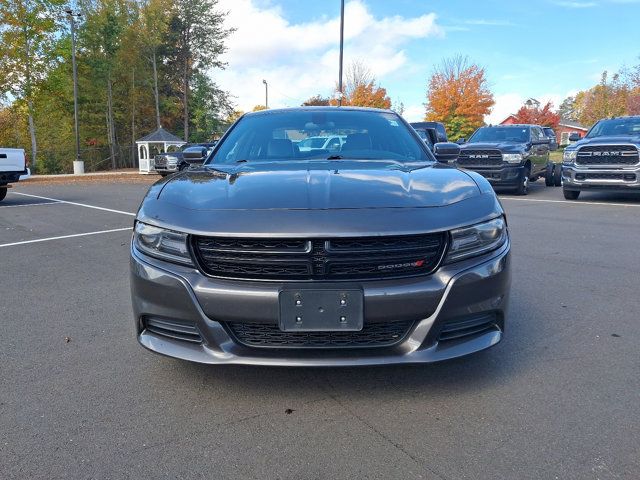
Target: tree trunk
column 185, row 84
column 155, row 89
column 32, row 133
column 110, row 126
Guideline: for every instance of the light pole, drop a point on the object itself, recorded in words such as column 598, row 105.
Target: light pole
column 266, row 94
column 341, row 50
column 78, row 165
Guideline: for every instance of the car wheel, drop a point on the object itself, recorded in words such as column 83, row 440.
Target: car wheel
column 557, row 175
column 571, row 194
column 3, row 193
column 523, row 183
column 548, row 175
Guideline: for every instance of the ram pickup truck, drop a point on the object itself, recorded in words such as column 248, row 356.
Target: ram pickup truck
column 510, row 156
column 171, row 162
column 13, row 167
column 606, row 159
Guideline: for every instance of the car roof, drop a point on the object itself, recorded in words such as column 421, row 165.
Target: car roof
column 515, row 125
column 319, row 109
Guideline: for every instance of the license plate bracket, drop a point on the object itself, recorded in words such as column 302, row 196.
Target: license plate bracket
column 321, row 310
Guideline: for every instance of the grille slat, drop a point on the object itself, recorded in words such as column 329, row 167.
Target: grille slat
column 480, row 158
column 270, row 336
column 167, row 328
column 320, row 259
column 607, row 155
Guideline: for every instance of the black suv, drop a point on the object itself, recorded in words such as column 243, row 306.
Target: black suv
column 430, row 132
column 510, row 156
column 606, row 159
column 171, row 162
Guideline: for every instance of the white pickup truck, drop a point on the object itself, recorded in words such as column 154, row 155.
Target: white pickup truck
column 13, row 167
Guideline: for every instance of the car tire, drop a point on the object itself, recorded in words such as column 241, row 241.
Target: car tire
column 557, row 175
column 3, row 193
column 523, row 183
column 548, row 175
column 571, row 194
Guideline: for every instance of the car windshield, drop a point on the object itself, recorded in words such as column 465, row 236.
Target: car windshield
column 293, row 135
column 616, row 127
column 501, row 134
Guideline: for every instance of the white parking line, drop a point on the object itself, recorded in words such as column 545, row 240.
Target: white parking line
column 29, row 204
column 65, row 236
column 571, row 202
column 76, row 203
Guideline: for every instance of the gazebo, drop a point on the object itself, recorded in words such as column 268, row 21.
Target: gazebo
column 150, row 145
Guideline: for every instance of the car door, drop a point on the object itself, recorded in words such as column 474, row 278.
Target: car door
column 539, row 150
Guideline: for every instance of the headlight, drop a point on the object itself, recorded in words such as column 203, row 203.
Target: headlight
column 569, row 156
column 512, row 157
column 477, row 239
column 163, row 244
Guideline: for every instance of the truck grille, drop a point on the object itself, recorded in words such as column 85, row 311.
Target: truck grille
column 320, row 259
column 270, row 335
column 607, row 155
column 480, row 158
column 628, row 177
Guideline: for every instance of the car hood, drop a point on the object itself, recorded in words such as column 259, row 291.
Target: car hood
column 319, row 186
column 502, row 146
column 606, row 141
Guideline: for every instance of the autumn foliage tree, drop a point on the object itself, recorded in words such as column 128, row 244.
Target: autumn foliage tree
column 458, row 95
column 544, row 116
column 607, row 99
column 361, row 89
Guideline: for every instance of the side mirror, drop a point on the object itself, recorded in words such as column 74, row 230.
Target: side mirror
column 574, row 137
column 194, row 155
column 461, row 140
column 446, row 152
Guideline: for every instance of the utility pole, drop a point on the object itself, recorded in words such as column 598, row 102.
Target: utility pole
column 78, row 165
column 266, row 93
column 341, row 50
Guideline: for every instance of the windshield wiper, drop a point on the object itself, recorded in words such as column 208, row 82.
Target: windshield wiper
column 336, row 157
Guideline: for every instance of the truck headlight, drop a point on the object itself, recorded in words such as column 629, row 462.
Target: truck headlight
column 163, row 244
column 512, row 157
column 477, row 239
column 569, row 156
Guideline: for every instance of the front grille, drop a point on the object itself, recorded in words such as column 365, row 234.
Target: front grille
column 270, row 336
column 171, row 329
column 607, row 155
column 320, row 259
column 160, row 160
column 480, row 158
column 629, row 177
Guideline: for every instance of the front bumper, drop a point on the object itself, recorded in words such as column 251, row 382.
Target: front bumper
column 616, row 179
column 455, row 292
column 506, row 176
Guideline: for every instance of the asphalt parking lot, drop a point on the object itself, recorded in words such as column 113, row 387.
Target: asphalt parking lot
column 558, row 398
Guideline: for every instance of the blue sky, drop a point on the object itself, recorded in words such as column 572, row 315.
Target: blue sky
column 545, row 49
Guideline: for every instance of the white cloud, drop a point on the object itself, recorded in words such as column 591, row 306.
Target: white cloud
column 301, row 59
column 414, row 113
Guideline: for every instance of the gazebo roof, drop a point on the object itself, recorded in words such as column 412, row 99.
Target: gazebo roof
column 161, row 136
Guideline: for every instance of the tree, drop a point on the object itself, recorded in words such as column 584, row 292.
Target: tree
column 567, row 110
column 259, row 108
column 607, row 99
column 458, row 95
column 27, row 38
column 198, row 35
column 538, row 116
column 317, row 100
column 368, row 95
column 358, row 74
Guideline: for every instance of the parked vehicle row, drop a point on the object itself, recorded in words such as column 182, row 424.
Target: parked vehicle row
column 171, row 162
column 13, row 167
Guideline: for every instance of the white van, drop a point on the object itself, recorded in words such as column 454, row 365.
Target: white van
column 13, row 167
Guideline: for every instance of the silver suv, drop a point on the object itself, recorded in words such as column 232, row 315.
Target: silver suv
column 379, row 253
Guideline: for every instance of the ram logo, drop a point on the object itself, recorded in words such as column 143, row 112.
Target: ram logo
column 478, row 156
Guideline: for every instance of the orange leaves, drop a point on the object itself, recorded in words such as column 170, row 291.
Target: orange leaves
column 458, row 96
column 538, row 116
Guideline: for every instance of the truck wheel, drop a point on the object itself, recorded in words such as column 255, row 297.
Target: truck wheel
column 571, row 194
column 3, row 193
column 557, row 175
column 523, row 183
column 548, row 175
